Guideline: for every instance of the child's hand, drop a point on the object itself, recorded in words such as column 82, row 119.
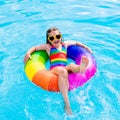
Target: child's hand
column 27, row 57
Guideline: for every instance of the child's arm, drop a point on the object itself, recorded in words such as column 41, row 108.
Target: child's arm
column 35, row 48
column 69, row 43
column 84, row 46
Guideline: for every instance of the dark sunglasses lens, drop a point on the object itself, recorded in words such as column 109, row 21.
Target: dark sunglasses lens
column 51, row 38
column 58, row 36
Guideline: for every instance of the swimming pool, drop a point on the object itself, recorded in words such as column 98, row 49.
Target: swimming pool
column 23, row 24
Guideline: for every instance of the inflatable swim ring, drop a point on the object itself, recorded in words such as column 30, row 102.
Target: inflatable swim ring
column 37, row 69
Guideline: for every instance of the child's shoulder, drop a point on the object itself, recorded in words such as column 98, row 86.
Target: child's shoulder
column 69, row 42
column 45, row 45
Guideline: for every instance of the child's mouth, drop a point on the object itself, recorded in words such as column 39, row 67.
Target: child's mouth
column 56, row 42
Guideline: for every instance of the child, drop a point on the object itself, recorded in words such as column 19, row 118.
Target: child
column 57, row 50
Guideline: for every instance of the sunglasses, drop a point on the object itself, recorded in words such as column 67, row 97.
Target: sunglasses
column 51, row 38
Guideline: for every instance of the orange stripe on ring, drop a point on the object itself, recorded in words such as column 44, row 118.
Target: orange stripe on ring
column 42, row 78
column 53, row 85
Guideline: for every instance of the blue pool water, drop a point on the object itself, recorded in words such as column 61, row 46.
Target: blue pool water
column 23, row 24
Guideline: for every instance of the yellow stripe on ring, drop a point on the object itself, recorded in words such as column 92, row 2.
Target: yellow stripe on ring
column 33, row 68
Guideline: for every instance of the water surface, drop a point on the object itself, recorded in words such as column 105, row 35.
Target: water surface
column 23, row 24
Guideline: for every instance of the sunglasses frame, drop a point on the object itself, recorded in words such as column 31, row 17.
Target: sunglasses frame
column 55, row 37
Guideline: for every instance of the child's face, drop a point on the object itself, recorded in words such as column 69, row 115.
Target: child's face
column 55, row 38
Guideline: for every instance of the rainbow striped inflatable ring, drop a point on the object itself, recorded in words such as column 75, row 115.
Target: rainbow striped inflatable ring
column 37, row 69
